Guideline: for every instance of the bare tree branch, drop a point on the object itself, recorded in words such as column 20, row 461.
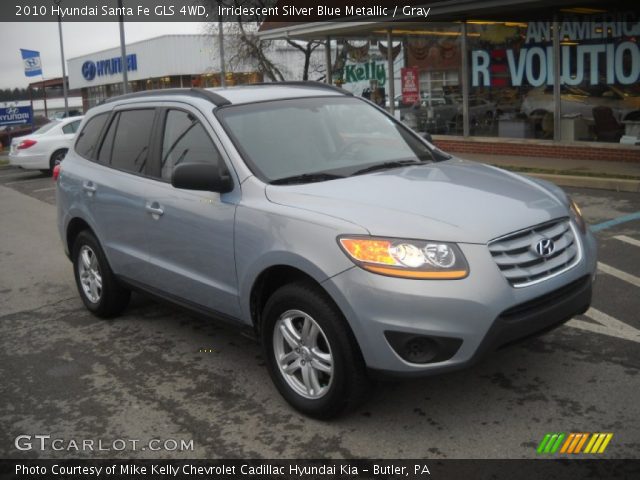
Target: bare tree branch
column 248, row 50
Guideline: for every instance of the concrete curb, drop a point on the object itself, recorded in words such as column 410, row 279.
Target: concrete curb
column 600, row 183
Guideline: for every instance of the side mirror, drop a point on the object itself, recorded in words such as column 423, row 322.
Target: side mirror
column 427, row 137
column 202, row 176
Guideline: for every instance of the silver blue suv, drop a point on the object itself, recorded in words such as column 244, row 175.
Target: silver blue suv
column 350, row 245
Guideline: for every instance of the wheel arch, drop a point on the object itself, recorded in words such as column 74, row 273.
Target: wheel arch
column 74, row 227
column 56, row 150
column 271, row 279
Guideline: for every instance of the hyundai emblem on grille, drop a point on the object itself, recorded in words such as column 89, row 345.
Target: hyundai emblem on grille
column 545, row 247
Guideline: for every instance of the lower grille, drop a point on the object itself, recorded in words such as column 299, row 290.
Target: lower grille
column 517, row 258
column 538, row 304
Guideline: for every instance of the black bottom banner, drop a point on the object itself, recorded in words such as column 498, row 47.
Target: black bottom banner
column 320, row 469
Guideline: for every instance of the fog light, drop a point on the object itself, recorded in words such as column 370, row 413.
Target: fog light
column 422, row 349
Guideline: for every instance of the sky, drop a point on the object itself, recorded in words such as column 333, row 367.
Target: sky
column 79, row 38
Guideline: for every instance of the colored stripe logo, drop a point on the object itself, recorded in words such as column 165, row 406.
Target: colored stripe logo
column 573, row 443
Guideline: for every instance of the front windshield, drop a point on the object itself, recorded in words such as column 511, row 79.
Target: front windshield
column 329, row 135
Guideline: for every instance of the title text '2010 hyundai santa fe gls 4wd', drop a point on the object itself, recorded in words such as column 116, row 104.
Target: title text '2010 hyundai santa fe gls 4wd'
column 348, row 243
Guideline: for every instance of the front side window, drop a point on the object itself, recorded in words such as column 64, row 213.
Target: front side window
column 185, row 141
column 340, row 135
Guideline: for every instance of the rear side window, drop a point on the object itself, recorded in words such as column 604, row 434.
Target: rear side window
column 185, row 141
column 127, row 142
column 86, row 144
column 71, row 127
column 47, row 127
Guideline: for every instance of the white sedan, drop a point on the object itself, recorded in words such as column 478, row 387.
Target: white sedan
column 46, row 147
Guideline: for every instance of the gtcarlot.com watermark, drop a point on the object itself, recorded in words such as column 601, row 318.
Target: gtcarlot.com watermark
column 48, row 442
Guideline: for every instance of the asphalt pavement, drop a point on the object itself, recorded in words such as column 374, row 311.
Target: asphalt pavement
column 158, row 373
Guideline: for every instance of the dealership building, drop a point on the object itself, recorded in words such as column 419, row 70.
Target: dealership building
column 558, row 79
column 171, row 61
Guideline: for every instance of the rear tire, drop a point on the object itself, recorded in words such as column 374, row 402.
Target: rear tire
column 311, row 353
column 97, row 285
column 56, row 158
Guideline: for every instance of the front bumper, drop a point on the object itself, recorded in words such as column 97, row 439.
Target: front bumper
column 482, row 311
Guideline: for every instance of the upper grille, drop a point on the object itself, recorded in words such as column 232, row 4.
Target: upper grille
column 517, row 258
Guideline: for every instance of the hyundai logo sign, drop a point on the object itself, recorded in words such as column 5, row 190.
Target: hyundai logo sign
column 89, row 70
column 33, row 62
column 110, row 66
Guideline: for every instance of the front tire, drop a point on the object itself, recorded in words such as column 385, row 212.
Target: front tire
column 311, row 353
column 98, row 287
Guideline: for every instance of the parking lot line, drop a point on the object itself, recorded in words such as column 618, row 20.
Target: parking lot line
column 44, row 189
column 629, row 240
column 607, row 325
column 17, row 175
column 615, row 221
column 627, row 277
column 28, row 180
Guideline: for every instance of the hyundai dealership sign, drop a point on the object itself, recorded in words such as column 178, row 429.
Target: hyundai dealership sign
column 15, row 115
column 111, row 66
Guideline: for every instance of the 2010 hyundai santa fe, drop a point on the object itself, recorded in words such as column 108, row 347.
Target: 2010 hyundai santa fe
column 349, row 244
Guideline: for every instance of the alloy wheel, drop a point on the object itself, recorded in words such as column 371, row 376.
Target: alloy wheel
column 89, row 273
column 303, row 354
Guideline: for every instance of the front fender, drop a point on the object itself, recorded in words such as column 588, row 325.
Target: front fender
column 285, row 236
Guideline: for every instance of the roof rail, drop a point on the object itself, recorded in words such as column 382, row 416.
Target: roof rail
column 302, row 83
column 217, row 100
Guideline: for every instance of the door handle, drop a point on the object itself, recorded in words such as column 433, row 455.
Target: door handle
column 89, row 187
column 154, row 209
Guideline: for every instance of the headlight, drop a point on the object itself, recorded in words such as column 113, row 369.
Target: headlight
column 406, row 258
column 577, row 216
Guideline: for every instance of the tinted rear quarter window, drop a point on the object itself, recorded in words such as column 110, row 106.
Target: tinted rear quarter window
column 107, row 144
column 86, row 144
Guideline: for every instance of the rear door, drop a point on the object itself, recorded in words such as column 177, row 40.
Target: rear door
column 190, row 233
column 115, row 189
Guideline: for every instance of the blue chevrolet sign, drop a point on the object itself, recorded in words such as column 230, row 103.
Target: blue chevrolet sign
column 16, row 115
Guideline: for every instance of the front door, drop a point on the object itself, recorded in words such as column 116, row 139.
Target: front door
column 190, row 233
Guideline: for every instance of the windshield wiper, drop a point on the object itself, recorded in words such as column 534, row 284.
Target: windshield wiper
column 306, row 178
column 388, row 165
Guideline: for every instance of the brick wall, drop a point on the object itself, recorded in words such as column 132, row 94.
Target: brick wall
column 539, row 148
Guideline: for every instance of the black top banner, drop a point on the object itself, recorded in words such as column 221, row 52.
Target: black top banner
column 284, row 12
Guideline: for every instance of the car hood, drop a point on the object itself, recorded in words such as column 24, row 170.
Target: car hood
column 455, row 200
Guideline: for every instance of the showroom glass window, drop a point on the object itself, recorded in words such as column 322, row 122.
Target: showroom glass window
column 511, row 68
